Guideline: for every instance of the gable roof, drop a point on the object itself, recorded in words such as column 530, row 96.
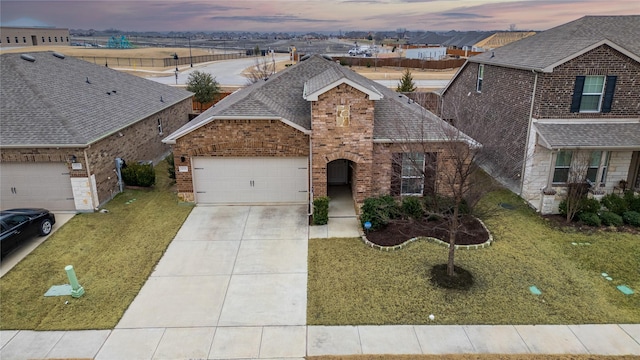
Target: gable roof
column 333, row 77
column 62, row 101
column 282, row 97
column 550, row 48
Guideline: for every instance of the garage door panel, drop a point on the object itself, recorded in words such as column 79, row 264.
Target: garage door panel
column 46, row 185
column 250, row 180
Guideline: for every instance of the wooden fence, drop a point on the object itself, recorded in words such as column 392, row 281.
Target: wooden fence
column 401, row 62
column 159, row 62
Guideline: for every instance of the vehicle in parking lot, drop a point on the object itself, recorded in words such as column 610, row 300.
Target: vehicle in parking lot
column 20, row 225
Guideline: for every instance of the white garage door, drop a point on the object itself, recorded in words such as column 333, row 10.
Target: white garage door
column 250, row 180
column 42, row 185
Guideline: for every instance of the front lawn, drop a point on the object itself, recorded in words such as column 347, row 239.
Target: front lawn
column 352, row 284
column 113, row 255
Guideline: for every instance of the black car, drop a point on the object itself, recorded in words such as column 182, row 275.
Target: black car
column 20, row 225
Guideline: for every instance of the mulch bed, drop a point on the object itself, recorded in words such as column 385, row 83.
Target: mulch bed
column 560, row 222
column 471, row 231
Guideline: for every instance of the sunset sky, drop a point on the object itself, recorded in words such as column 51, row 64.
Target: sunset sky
column 306, row 15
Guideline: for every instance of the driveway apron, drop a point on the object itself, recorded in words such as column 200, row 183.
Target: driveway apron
column 232, row 284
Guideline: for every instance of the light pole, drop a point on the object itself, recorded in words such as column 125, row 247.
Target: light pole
column 190, row 57
column 175, row 58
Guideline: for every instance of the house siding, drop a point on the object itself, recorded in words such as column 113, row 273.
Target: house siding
column 235, row 138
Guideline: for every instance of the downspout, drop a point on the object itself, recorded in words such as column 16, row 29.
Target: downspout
column 94, row 191
column 310, row 211
column 526, row 147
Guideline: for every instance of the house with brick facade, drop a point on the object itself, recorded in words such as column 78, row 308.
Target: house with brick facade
column 310, row 126
column 547, row 104
column 64, row 121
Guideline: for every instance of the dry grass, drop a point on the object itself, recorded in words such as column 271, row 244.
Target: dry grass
column 352, row 284
column 106, row 52
column 113, row 255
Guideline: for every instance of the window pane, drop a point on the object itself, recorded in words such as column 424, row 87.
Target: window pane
column 563, row 159
column 590, row 103
column 595, row 158
column 412, row 186
column 560, row 175
column 591, row 174
column 593, row 85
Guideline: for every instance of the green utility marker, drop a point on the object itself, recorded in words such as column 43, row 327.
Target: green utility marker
column 625, row 289
column 534, row 290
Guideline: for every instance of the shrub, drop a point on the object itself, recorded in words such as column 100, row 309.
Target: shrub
column 589, row 218
column 633, row 201
column 321, row 210
column 172, row 166
column 412, row 207
column 615, row 203
column 379, row 210
column 139, row 175
column 585, row 205
column 611, row 219
column 632, row 218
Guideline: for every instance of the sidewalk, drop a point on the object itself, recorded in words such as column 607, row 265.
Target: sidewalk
column 328, row 340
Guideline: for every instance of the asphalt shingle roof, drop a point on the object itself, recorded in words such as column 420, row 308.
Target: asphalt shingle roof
column 64, row 101
column 596, row 135
column 281, row 96
column 557, row 44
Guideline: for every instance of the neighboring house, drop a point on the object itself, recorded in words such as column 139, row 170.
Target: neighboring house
column 548, row 99
column 315, row 124
column 33, row 36
column 64, row 121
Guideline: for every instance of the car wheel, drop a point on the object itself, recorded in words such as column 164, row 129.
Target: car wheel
column 45, row 227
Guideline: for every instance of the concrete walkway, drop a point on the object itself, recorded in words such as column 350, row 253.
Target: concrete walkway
column 232, row 285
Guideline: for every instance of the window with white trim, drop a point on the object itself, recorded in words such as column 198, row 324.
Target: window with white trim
column 412, row 174
column 596, row 170
column 593, row 93
column 563, row 166
column 160, row 126
column 480, row 77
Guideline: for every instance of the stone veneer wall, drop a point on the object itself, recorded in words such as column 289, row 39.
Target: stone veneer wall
column 236, row 138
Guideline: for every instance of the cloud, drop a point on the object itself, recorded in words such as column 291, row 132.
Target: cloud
column 463, row 15
column 271, row 19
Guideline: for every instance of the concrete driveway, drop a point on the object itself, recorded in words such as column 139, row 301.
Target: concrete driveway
column 232, row 284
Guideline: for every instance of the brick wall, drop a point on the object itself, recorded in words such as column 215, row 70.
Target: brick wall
column 236, row 138
column 138, row 142
column 497, row 117
column 383, row 160
column 555, row 90
column 353, row 142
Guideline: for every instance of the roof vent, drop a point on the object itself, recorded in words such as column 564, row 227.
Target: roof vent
column 27, row 57
column 305, row 57
column 161, row 99
column 327, row 57
column 88, row 82
column 113, row 91
column 58, row 55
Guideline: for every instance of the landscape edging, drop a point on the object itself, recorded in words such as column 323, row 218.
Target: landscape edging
column 432, row 239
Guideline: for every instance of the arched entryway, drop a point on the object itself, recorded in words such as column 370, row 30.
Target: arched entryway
column 340, row 180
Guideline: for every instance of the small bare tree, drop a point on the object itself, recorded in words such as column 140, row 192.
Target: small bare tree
column 460, row 175
column 577, row 185
column 261, row 71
